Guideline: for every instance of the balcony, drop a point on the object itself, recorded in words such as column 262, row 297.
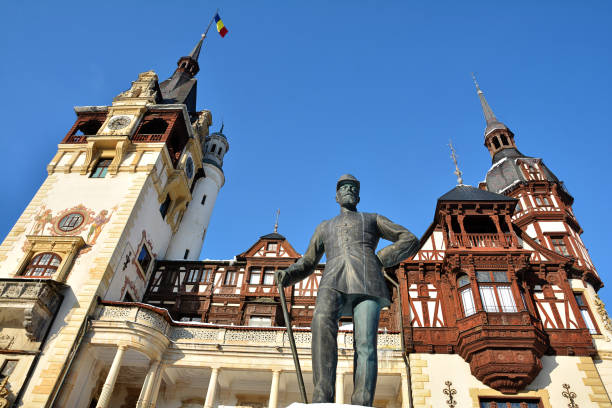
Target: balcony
column 147, row 138
column 29, row 304
column 481, row 240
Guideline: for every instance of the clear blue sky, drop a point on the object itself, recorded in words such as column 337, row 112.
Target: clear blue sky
column 311, row 90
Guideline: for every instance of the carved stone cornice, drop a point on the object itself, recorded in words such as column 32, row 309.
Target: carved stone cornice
column 30, row 303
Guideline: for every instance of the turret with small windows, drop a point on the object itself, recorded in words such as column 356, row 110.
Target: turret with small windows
column 215, row 148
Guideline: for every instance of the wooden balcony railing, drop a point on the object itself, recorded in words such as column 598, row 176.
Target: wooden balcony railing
column 481, row 240
column 147, row 138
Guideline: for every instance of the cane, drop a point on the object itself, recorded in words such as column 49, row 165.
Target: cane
column 296, row 360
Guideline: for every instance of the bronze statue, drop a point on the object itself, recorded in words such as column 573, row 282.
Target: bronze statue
column 352, row 285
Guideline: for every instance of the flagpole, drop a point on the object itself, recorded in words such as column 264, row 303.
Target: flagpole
column 211, row 21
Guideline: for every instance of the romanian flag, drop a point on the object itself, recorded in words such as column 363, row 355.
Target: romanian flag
column 220, row 27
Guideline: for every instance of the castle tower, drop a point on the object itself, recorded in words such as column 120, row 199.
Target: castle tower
column 187, row 242
column 115, row 199
column 544, row 210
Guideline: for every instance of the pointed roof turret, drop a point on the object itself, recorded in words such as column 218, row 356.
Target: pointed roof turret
column 181, row 86
column 195, row 53
column 492, row 122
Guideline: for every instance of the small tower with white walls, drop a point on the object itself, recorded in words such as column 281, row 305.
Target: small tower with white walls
column 187, row 242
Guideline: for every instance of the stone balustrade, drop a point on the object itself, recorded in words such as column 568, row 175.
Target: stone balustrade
column 179, row 332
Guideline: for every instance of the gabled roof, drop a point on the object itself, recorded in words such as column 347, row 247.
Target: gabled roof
column 274, row 235
column 463, row 192
column 259, row 248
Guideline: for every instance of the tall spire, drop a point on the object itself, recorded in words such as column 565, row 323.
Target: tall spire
column 195, row 53
column 492, row 122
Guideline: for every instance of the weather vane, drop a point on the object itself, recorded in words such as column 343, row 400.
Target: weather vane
column 276, row 223
column 457, row 172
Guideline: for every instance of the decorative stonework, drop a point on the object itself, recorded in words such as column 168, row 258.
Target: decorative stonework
column 179, row 333
column 450, row 392
column 34, row 303
column 66, row 248
column 601, row 310
column 4, row 393
column 570, row 395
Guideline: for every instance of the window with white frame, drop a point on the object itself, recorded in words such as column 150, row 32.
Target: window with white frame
column 586, row 313
column 467, row 297
column 495, row 292
column 255, row 277
column 268, row 278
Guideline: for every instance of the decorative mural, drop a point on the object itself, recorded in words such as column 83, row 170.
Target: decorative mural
column 71, row 222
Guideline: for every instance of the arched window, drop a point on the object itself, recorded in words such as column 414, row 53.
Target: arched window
column 155, row 126
column 504, row 140
column 89, row 127
column 214, row 146
column 496, row 142
column 219, row 151
column 467, row 297
column 43, row 265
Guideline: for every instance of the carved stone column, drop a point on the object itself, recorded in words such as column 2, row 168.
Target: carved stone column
column 155, row 386
column 340, row 387
column 147, row 386
column 212, row 388
column 109, row 384
column 273, row 401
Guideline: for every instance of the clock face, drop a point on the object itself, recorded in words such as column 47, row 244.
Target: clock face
column 189, row 167
column 119, row 122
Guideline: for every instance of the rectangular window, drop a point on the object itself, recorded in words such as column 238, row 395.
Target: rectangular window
column 487, row 295
column 101, row 168
column 558, row 244
column 193, row 276
column 144, row 258
column 255, row 277
column 509, row 403
column 506, row 299
column 186, row 254
column 468, row 302
column 230, row 278
column 268, row 278
column 203, row 199
column 163, row 209
column 206, row 276
column 272, row 246
column 7, row 368
column 260, row 321
column 586, row 313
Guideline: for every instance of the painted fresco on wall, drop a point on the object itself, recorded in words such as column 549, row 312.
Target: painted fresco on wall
column 70, row 222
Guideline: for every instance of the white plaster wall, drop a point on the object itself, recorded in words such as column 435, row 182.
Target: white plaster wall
column 196, row 219
column 552, row 226
column 146, row 224
column 556, row 371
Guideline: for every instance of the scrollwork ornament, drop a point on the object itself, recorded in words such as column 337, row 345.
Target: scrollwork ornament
column 601, row 310
column 450, row 392
column 569, row 395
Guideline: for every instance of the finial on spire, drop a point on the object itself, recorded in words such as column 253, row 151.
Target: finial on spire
column 195, row 53
column 476, row 83
column 276, row 223
column 457, row 172
column 222, row 124
column 486, row 109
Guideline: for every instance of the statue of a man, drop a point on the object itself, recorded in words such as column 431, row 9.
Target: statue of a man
column 352, row 285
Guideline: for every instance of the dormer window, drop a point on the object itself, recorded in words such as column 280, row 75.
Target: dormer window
column 272, row 246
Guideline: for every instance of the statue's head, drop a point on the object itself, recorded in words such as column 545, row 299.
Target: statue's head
column 347, row 191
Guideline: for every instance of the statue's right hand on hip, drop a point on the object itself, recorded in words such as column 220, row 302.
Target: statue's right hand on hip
column 281, row 277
